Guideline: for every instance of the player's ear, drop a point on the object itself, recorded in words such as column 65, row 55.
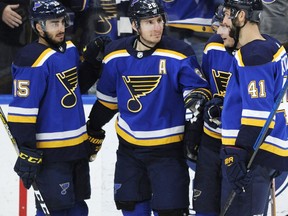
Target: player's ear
column 134, row 26
column 242, row 15
column 39, row 28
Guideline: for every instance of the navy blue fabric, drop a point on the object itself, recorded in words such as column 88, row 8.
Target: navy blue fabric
column 257, row 192
column 142, row 208
column 207, row 181
column 79, row 209
column 62, row 184
column 161, row 169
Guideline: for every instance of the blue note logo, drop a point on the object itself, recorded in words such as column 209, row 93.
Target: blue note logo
column 139, row 86
column 117, row 186
column 64, row 187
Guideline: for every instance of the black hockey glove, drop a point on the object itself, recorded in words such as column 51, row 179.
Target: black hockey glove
column 192, row 138
column 93, row 52
column 28, row 164
column 212, row 112
column 235, row 168
column 95, row 139
column 195, row 101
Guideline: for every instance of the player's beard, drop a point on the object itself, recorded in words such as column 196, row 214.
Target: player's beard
column 52, row 42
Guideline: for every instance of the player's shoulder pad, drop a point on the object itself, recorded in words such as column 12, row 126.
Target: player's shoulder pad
column 119, row 44
column 34, row 52
column 272, row 39
column 215, row 42
column 259, row 52
column 215, row 38
column 176, row 45
column 27, row 55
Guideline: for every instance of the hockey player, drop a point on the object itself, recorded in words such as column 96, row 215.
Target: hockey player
column 150, row 79
column 216, row 62
column 259, row 70
column 46, row 115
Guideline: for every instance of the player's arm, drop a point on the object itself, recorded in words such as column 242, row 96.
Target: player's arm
column 195, row 85
column 99, row 116
column 23, row 128
column 91, row 67
column 192, row 138
column 257, row 92
column 257, row 102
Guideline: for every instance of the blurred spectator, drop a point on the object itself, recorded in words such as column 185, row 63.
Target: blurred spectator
column 187, row 20
column 191, row 21
column 77, row 10
column 15, row 33
column 274, row 19
column 100, row 19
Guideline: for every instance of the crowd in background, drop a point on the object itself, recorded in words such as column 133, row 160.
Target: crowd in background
column 187, row 20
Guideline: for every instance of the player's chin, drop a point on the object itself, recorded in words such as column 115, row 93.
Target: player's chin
column 156, row 39
column 59, row 40
column 226, row 43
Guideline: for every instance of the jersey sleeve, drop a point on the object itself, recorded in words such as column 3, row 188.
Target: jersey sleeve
column 191, row 76
column 29, row 87
column 259, row 90
column 106, row 86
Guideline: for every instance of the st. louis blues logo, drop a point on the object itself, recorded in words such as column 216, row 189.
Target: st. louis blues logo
column 139, row 86
column 221, row 79
column 69, row 81
column 117, row 187
column 36, row 5
column 64, row 187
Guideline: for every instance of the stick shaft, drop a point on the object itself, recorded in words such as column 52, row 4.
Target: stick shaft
column 273, row 198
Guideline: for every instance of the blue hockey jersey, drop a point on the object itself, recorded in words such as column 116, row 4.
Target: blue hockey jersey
column 216, row 63
column 259, row 72
column 47, row 110
column 148, row 89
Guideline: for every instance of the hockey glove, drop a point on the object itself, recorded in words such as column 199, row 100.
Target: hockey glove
column 235, row 168
column 93, row 52
column 95, row 139
column 192, row 138
column 196, row 100
column 28, row 164
column 212, row 112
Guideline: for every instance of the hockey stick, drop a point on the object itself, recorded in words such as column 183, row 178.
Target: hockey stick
column 273, row 198
column 258, row 142
column 34, row 186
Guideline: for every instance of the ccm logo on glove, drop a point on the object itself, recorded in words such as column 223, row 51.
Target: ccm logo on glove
column 29, row 158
